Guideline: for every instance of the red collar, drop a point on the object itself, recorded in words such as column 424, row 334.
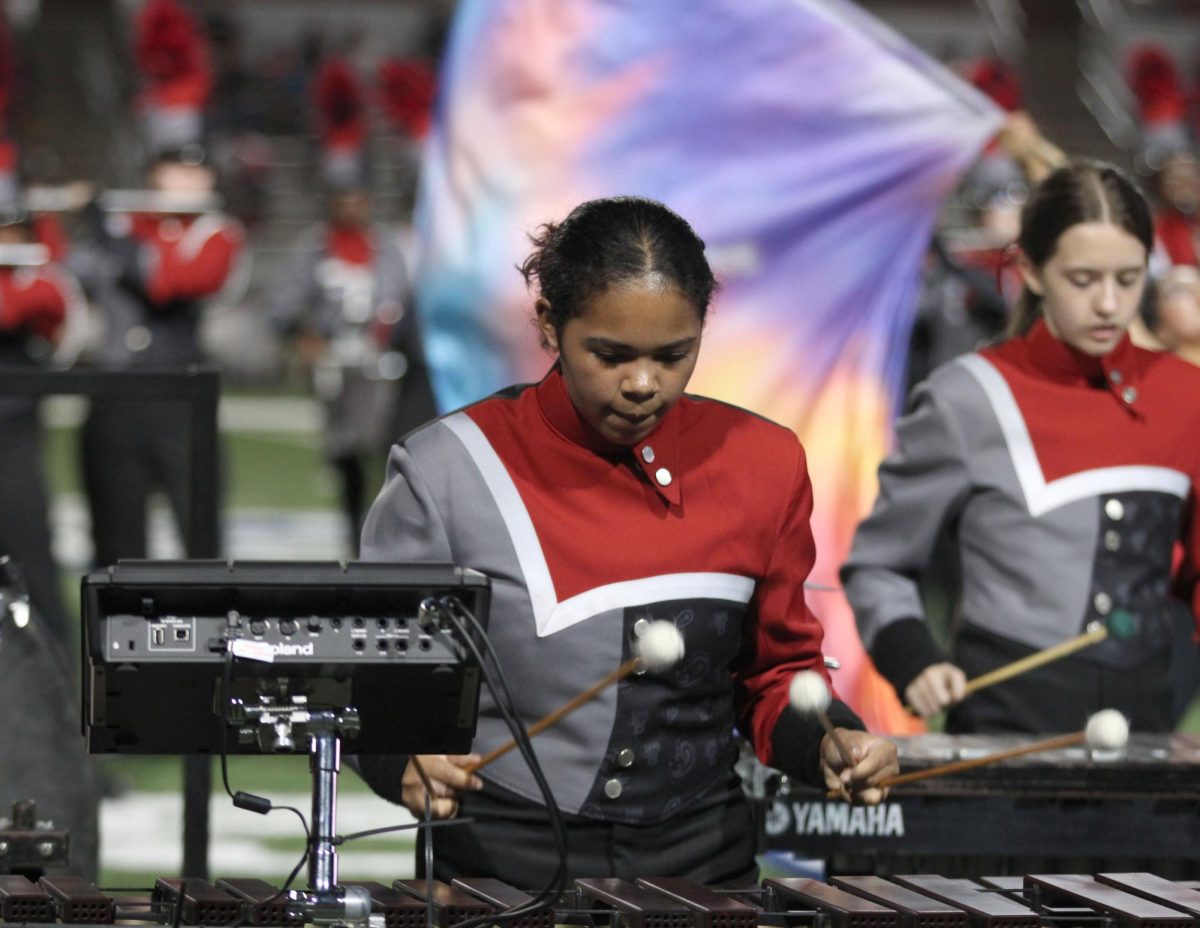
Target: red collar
column 1120, row 371
column 656, row 456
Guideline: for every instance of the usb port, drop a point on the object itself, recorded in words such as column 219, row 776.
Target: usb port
column 158, row 636
column 182, row 633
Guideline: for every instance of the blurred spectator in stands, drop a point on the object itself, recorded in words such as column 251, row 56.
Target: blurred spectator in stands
column 1175, row 186
column 406, row 91
column 344, row 302
column 149, row 272
column 1172, row 315
column 242, row 154
column 996, row 171
column 970, row 277
column 341, row 123
column 1161, row 102
column 36, row 299
column 173, row 58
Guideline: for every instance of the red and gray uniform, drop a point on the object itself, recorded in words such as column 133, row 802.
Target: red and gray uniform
column 149, row 277
column 705, row 523
column 349, row 286
column 1069, row 483
column 34, row 303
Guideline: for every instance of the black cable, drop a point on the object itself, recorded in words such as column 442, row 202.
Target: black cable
column 243, row 800
column 372, row 832
column 498, row 684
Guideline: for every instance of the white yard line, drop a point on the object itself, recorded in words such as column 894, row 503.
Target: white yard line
column 237, row 413
column 143, row 832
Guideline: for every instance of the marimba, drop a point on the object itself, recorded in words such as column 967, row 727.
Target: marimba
column 1061, row 810
column 1106, row 900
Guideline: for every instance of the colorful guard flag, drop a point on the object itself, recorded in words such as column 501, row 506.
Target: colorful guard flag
column 809, row 146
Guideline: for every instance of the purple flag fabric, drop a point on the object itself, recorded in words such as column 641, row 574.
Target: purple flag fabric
column 810, row 147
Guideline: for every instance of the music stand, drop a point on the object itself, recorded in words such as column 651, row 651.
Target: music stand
column 204, row 657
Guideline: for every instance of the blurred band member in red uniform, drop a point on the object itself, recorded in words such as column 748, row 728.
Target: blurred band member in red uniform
column 149, row 274
column 36, row 296
column 344, row 302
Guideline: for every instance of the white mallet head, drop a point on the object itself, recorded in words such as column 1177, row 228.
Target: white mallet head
column 659, row 646
column 808, row 692
column 1107, row 730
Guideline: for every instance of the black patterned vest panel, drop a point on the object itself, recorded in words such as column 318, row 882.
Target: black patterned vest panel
column 1130, row 588
column 672, row 739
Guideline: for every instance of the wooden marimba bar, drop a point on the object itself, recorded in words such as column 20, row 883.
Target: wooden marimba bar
column 1106, row 900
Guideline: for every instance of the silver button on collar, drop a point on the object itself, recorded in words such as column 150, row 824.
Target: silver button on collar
column 1114, row 510
column 1129, row 394
column 1112, row 540
column 625, row 758
column 640, row 626
column 612, row 788
column 1103, row 603
column 663, row 476
column 648, row 454
column 1115, row 376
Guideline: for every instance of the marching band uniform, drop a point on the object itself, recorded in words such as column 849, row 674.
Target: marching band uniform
column 584, row 542
column 348, row 286
column 1067, row 481
column 34, row 303
column 149, row 281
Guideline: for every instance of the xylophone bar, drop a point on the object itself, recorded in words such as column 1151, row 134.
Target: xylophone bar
column 1152, row 887
column 23, row 901
column 1124, row 908
column 984, row 908
column 639, row 906
column 399, row 910
column 845, row 910
column 450, row 904
column 916, row 910
column 501, row 896
column 77, row 901
column 266, row 904
column 709, row 909
column 1112, row 900
column 201, row 902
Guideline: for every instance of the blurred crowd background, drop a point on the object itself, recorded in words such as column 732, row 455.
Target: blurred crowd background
column 248, row 170
column 252, row 166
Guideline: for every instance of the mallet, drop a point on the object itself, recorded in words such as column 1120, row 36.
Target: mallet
column 658, row 648
column 1107, row 730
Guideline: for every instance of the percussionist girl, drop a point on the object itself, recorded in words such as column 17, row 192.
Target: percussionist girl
column 1065, row 461
column 599, row 500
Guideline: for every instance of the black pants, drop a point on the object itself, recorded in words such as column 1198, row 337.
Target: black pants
column 1059, row 696
column 711, row 843
column 24, row 519
column 130, row 450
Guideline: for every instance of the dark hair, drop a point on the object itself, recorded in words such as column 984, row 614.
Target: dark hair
column 1082, row 191
column 614, row 241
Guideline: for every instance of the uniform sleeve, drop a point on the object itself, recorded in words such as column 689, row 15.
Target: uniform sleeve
column 198, row 264
column 404, row 525
column 783, row 637
column 922, row 486
column 35, row 304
